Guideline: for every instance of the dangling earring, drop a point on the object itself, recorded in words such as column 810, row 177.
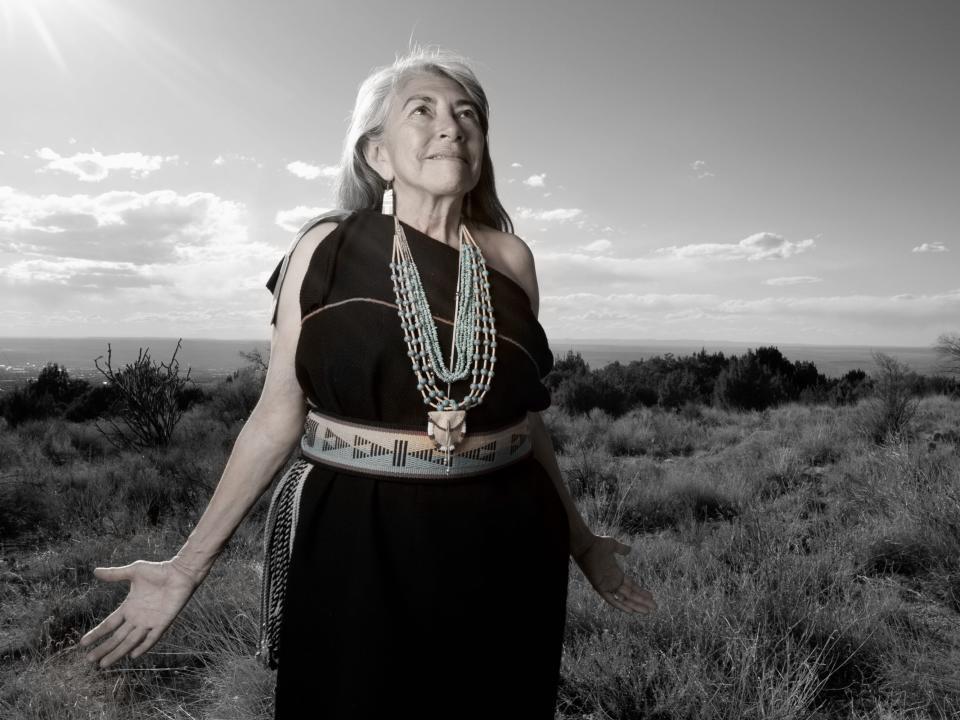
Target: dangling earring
column 387, row 207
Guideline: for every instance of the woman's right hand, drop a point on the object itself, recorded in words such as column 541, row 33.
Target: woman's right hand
column 158, row 591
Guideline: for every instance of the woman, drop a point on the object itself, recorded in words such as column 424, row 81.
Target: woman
column 415, row 558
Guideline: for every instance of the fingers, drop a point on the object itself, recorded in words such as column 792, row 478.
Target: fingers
column 147, row 643
column 108, row 645
column 630, row 597
column 109, row 624
column 133, row 638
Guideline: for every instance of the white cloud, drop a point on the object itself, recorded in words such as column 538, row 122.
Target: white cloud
column 312, row 172
column 292, row 220
column 557, row 214
column 127, row 262
column 935, row 247
column 700, row 168
column 162, row 226
column 793, row 280
column 535, row 180
column 758, row 246
column 98, row 275
column 598, row 246
column 516, row 165
column 95, row 166
column 221, row 160
column 845, row 319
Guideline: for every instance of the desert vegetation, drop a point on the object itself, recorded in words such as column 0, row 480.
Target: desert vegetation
column 801, row 535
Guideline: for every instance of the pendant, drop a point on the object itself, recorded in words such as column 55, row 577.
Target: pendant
column 446, row 428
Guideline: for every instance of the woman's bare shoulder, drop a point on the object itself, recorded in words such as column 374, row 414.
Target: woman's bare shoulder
column 511, row 255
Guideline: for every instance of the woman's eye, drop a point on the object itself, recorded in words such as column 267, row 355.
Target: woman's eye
column 468, row 113
column 419, row 108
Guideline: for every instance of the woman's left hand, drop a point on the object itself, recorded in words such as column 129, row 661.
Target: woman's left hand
column 600, row 566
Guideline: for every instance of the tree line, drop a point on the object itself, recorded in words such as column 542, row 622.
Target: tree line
column 148, row 398
column 756, row 380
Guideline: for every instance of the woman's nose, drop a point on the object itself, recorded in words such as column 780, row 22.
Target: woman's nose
column 449, row 127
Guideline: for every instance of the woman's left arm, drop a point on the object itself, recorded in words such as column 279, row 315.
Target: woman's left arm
column 594, row 554
column 581, row 536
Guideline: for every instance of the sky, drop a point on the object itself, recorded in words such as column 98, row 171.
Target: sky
column 749, row 170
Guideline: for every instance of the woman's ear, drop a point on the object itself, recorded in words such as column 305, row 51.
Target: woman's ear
column 378, row 158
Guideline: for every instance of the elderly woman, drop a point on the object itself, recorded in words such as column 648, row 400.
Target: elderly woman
column 416, row 551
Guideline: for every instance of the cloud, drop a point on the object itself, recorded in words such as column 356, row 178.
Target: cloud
column 516, row 165
column 598, row 246
column 312, row 172
column 759, row 246
column 95, row 166
column 535, row 180
column 843, row 319
column 935, row 247
column 123, row 226
column 555, row 215
column 98, row 275
column 292, row 220
column 700, row 168
column 221, row 160
column 793, row 280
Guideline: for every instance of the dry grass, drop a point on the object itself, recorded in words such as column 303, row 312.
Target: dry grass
column 802, row 570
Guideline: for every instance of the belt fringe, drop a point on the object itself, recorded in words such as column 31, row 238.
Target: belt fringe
column 277, row 551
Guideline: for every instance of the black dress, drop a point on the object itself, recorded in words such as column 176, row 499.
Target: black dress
column 444, row 600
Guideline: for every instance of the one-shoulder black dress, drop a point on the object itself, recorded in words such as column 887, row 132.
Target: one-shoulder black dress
column 438, row 600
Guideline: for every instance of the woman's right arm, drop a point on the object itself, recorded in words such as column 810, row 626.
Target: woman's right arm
column 158, row 591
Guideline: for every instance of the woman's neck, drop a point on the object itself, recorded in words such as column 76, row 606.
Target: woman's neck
column 438, row 218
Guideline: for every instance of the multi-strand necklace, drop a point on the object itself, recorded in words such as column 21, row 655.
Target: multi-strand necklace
column 474, row 336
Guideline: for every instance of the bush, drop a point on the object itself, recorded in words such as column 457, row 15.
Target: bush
column 582, row 393
column 148, row 404
column 48, row 395
column 234, row 398
column 97, row 401
column 890, row 413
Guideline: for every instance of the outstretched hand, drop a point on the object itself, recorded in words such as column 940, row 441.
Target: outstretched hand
column 600, row 566
column 158, row 591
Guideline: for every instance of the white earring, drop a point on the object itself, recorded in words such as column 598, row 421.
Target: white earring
column 387, row 207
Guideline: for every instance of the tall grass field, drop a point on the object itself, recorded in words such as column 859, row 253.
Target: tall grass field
column 805, row 567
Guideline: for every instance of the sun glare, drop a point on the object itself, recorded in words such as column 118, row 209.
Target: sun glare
column 37, row 15
column 49, row 23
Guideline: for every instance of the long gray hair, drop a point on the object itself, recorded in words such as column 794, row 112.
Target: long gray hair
column 359, row 186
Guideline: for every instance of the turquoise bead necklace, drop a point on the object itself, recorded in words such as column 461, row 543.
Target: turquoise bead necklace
column 473, row 350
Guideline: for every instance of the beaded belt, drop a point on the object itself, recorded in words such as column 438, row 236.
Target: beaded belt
column 389, row 452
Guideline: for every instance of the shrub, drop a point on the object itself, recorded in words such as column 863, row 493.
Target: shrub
column 148, row 402
column 890, row 413
column 582, row 393
column 97, row 401
column 45, row 396
column 234, row 398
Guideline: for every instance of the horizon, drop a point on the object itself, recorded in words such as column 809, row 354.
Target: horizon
column 210, row 358
column 560, row 341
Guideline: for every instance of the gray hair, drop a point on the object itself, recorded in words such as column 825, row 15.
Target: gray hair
column 360, row 186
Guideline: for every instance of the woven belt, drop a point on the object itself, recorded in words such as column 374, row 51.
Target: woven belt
column 390, row 452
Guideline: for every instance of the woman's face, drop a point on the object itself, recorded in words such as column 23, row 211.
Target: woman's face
column 433, row 141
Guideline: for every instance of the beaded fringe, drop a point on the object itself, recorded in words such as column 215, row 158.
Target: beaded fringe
column 277, row 549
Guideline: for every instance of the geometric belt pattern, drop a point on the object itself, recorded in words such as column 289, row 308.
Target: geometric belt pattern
column 387, row 452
